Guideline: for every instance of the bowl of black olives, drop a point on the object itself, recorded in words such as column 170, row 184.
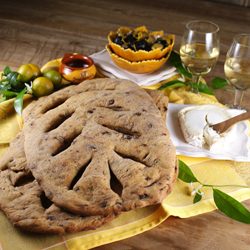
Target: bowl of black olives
column 139, row 44
column 140, row 67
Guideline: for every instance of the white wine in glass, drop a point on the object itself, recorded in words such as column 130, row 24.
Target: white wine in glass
column 237, row 66
column 197, row 59
column 200, row 48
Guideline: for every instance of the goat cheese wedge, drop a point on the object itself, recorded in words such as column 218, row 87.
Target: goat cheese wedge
column 194, row 126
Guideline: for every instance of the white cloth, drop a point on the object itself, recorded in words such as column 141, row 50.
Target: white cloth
column 111, row 70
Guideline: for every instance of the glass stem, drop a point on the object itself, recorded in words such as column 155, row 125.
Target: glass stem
column 196, row 80
column 238, row 98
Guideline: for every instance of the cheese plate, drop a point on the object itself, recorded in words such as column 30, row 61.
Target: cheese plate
column 238, row 149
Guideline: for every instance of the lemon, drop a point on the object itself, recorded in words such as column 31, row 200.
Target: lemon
column 54, row 64
column 26, row 72
column 36, row 70
column 54, row 76
column 42, row 86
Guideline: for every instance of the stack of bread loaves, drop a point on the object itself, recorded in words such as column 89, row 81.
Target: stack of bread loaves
column 87, row 153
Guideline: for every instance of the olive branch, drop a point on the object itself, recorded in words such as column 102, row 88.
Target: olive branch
column 224, row 202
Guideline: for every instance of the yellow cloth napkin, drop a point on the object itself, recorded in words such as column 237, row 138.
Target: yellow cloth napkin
column 182, row 96
column 10, row 122
column 178, row 203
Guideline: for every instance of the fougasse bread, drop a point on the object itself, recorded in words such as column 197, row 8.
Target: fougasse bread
column 86, row 153
column 78, row 139
column 25, row 204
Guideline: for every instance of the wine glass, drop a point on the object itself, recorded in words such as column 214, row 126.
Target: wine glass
column 237, row 67
column 199, row 49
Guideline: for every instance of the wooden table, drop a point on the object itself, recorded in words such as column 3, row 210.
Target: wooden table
column 37, row 31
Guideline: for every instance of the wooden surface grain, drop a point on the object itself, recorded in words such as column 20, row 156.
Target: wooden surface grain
column 38, row 31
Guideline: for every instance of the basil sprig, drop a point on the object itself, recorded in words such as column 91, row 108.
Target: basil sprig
column 175, row 60
column 12, row 87
column 224, row 202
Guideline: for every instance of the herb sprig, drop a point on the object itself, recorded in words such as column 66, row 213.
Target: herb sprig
column 11, row 86
column 175, row 60
column 224, row 202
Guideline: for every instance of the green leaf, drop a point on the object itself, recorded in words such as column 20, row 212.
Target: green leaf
column 203, row 88
column 173, row 84
column 4, row 81
column 8, row 94
column 185, row 173
column 197, row 198
column 219, row 83
column 231, row 207
column 175, row 60
column 184, row 72
column 18, row 103
column 14, row 81
column 4, row 86
column 12, row 77
column 7, row 70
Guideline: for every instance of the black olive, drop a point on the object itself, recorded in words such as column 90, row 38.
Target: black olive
column 143, row 45
column 130, row 39
column 118, row 40
column 148, row 48
column 161, row 41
